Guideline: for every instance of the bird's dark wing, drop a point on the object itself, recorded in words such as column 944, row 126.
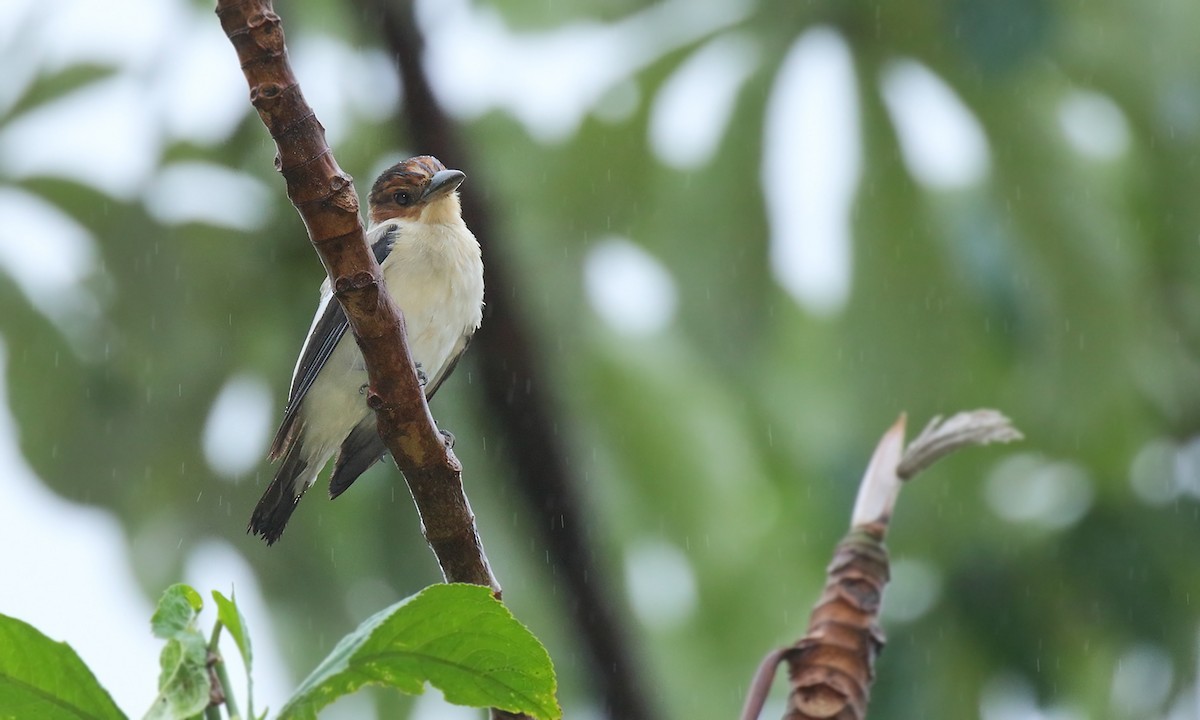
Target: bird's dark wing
column 327, row 332
column 447, row 367
column 360, row 450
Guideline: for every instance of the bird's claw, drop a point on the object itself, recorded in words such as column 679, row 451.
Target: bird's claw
column 362, row 389
column 448, row 438
column 421, row 378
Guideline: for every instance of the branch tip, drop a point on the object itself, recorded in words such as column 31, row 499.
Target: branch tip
column 880, row 484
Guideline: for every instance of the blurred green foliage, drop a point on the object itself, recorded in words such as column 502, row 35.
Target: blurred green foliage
column 1062, row 289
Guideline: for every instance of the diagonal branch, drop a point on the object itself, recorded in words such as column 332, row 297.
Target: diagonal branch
column 328, row 204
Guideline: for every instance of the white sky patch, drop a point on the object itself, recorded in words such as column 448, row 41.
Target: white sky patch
column 628, row 287
column 13, row 15
column 128, row 34
column 201, row 93
column 941, row 140
column 549, row 80
column 1187, row 468
column 811, row 159
column 1094, row 125
column 15, row 18
column 216, row 565
column 321, row 66
column 48, row 254
column 1008, row 697
column 99, row 135
column 432, row 705
column 1164, row 470
column 661, row 584
column 374, row 91
column 694, row 105
column 204, row 192
column 1153, row 471
column 235, row 434
column 71, row 569
column 1026, row 488
column 915, row 587
column 340, row 82
column 1142, row 680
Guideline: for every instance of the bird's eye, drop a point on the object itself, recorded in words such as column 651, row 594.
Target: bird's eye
column 403, row 198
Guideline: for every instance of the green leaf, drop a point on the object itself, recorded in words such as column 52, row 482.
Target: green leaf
column 176, row 611
column 235, row 623
column 183, row 680
column 41, row 678
column 456, row 637
column 231, row 617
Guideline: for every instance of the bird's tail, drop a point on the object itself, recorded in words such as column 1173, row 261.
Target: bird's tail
column 279, row 501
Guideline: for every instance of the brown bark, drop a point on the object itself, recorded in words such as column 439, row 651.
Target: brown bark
column 326, row 200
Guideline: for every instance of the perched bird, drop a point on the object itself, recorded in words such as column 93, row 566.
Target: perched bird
column 432, row 267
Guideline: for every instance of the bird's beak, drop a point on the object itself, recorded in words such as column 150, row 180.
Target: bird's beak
column 442, row 182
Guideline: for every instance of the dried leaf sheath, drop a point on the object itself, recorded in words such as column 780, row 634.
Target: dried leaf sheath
column 831, row 668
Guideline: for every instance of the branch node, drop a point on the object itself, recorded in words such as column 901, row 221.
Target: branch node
column 357, row 281
column 265, row 92
column 342, row 193
column 267, row 17
column 374, row 400
column 819, row 698
column 363, row 279
column 267, row 32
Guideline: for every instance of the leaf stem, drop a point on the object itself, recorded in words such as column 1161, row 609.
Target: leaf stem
column 231, row 708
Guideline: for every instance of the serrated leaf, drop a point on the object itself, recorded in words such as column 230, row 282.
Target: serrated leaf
column 176, row 611
column 456, row 637
column 231, row 617
column 41, row 678
column 183, row 682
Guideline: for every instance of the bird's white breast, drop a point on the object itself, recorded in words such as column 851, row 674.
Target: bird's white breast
column 435, row 274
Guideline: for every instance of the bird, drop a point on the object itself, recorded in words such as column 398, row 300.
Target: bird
column 433, row 268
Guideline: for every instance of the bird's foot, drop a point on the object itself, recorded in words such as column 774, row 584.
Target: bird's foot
column 421, row 377
column 362, row 389
column 448, row 438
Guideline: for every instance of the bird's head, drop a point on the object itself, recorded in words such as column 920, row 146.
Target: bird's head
column 419, row 189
